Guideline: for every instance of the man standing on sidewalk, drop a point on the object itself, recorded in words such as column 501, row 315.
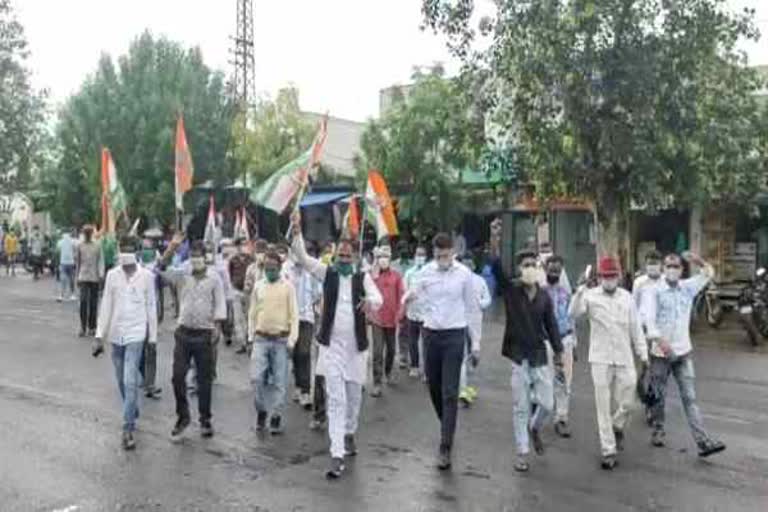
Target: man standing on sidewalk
column 202, row 306
column 384, row 321
column 530, row 323
column 66, row 250
column 273, row 322
column 343, row 341
column 560, row 296
column 414, row 313
column 127, row 317
column 449, row 299
column 668, row 321
column 614, row 331
column 90, row 269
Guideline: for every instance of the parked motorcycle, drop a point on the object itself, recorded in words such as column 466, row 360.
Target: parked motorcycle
column 708, row 304
column 753, row 307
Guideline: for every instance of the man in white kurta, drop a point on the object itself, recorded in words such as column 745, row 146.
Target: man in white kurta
column 342, row 361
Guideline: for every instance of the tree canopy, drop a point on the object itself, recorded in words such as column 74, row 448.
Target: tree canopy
column 617, row 101
column 131, row 107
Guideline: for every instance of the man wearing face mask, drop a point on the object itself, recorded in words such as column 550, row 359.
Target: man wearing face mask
column 90, row 269
column 414, row 312
column 530, row 322
column 127, row 318
column 273, row 321
column 448, row 296
column 202, row 307
column 467, row 392
column 640, row 288
column 668, row 313
column 561, row 302
column 384, row 321
column 254, row 274
column 238, row 266
column 401, row 264
column 614, row 331
column 342, row 339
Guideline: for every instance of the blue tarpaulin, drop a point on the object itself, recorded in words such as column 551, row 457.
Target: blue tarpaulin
column 319, row 198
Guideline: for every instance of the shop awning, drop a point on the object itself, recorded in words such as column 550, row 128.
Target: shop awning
column 321, row 198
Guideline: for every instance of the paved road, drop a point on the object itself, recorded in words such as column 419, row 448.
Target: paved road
column 60, row 439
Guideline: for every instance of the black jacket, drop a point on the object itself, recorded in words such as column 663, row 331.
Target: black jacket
column 529, row 322
column 330, row 296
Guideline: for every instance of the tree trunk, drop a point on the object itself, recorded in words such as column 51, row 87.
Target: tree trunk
column 612, row 232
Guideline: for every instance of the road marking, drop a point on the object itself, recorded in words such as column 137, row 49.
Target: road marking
column 71, row 508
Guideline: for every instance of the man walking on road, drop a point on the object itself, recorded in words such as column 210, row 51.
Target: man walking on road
column 90, row 269
column 253, row 274
column 238, row 266
column 11, row 247
column 384, row 321
column 668, row 316
column 449, row 299
column 467, row 392
column 202, row 306
column 530, row 323
column 414, row 313
column 343, row 341
column 643, row 285
column 127, row 317
column 614, row 331
column 66, row 250
column 36, row 245
column 273, row 322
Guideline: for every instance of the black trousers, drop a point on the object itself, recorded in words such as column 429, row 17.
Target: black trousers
column 444, row 354
column 320, row 412
column 302, row 357
column 89, row 304
column 148, row 365
column 159, row 289
column 403, row 341
column 383, row 352
column 197, row 345
column 414, row 334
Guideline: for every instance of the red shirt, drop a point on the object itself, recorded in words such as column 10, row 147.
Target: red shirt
column 390, row 286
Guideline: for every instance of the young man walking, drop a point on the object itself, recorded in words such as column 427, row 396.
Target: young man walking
column 36, row 245
column 614, row 331
column 668, row 316
column 449, row 299
column 202, row 307
column 253, row 274
column 66, row 250
column 467, row 392
column 238, row 267
column 641, row 287
column 90, row 269
column 273, row 322
column 11, row 248
column 414, row 313
column 342, row 339
column 384, row 321
column 128, row 317
column 560, row 295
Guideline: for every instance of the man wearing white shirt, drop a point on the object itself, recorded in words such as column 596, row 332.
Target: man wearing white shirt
column 614, row 331
column 343, row 341
column 467, row 393
column 128, row 316
column 449, row 299
column 414, row 313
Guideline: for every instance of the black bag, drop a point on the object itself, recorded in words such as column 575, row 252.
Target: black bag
column 646, row 391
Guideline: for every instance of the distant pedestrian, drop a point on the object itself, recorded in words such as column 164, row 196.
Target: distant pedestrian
column 90, row 270
column 238, row 267
column 414, row 314
column 36, row 249
column 384, row 321
column 66, row 249
column 11, row 247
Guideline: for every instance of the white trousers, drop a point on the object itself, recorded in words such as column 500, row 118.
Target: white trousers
column 344, row 400
column 613, row 384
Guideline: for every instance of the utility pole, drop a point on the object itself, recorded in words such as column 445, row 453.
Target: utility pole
column 244, row 84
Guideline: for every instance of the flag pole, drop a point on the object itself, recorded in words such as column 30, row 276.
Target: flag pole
column 362, row 231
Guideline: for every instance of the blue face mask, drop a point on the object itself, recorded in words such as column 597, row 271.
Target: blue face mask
column 344, row 268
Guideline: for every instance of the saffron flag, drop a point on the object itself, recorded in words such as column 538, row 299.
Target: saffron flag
column 351, row 223
column 210, row 226
column 379, row 207
column 112, row 193
column 184, row 170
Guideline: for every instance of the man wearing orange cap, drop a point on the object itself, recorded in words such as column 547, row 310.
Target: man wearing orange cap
column 614, row 330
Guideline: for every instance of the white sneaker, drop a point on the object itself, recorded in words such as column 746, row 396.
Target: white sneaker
column 305, row 400
column 296, row 395
column 413, row 373
column 59, row 299
column 73, row 298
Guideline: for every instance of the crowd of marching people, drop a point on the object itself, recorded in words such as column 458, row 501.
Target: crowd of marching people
column 328, row 314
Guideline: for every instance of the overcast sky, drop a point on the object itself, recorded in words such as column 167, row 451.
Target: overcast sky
column 338, row 52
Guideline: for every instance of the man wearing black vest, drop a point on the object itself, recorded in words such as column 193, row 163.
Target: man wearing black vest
column 342, row 339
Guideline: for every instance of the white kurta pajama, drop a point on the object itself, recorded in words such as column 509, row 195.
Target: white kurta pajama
column 342, row 364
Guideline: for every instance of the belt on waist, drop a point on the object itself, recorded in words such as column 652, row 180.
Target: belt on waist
column 447, row 331
column 272, row 336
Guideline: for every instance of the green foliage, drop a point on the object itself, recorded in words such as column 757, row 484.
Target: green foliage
column 430, row 133
column 132, row 108
column 22, row 109
column 619, row 101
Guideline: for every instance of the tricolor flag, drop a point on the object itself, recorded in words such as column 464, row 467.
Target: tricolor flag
column 241, row 225
column 210, row 225
column 184, row 170
column 351, row 222
column 112, row 193
column 277, row 192
column 379, row 207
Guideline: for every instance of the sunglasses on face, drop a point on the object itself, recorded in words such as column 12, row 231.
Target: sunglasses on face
column 673, row 265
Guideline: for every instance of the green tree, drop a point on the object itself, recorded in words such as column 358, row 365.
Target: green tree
column 618, row 101
column 421, row 144
column 22, row 109
column 275, row 133
column 131, row 108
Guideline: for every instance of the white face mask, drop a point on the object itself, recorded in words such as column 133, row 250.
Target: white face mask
column 384, row 263
column 126, row 259
column 653, row 271
column 198, row 263
column 420, row 260
column 529, row 275
column 673, row 274
column 444, row 263
column 610, row 284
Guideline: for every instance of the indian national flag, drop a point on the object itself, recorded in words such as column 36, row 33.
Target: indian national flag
column 210, row 226
column 381, row 210
column 113, row 196
column 279, row 189
column 183, row 169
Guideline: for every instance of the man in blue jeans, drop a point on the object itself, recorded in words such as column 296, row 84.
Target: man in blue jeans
column 127, row 317
column 667, row 316
column 274, row 328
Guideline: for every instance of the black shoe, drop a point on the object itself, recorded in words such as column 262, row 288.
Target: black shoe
column 710, row 448
column 153, row 393
column 275, row 427
column 562, row 429
column 657, row 438
column 350, row 448
column 444, row 458
column 97, row 350
column 336, row 469
column 538, row 444
column 619, row 435
column 81, row 334
column 261, row 421
column 228, row 341
column 609, row 462
column 129, row 443
column 178, row 430
column 206, row 429
column 241, row 350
